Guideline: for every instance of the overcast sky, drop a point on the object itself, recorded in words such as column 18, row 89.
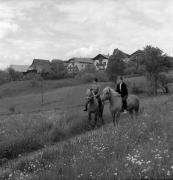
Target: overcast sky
column 62, row 29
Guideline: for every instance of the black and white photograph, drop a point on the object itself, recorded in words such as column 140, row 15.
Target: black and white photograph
column 86, row 89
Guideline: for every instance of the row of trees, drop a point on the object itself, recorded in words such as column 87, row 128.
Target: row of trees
column 153, row 63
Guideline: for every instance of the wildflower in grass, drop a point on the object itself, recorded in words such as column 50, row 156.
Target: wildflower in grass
column 148, row 162
column 115, row 174
column 168, row 173
column 90, row 174
column 80, row 175
column 139, row 163
column 165, row 151
column 171, row 167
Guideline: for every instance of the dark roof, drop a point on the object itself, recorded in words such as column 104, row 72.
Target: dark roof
column 56, row 60
column 137, row 52
column 103, row 55
column 81, row 60
column 121, row 53
column 40, row 64
column 40, row 61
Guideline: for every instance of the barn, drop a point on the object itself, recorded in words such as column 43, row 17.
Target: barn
column 40, row 65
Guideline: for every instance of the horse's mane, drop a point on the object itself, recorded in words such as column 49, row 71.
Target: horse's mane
column 88, row 92
column 113, row 92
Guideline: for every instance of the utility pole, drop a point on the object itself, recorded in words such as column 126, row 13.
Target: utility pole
column 42, row 90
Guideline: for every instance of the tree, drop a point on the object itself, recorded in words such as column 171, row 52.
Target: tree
column 4, row 77
column 14, row 76
column 154, row 62
column 137, row 62
column 163, row 81
column 115, row 66
column 58, row 70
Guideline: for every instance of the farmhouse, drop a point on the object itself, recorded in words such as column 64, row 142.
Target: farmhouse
column 78, row 64
column 121, row 54
column 137, row 55
column 101, row 61
column 20, row 68
column 40, row 65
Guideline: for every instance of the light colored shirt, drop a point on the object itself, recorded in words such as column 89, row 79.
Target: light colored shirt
column 120, row 86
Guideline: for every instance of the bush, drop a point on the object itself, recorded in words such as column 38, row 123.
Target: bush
column 87, row 77
column 102, row 76
column 15, row 76
column 163, row 81
column 32, row 76
column 4, row 77
column 137, row 89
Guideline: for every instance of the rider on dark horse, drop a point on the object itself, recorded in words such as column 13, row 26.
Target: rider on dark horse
column 95, row 88
column 123, row 91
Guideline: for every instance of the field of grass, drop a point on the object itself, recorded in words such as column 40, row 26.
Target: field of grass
column 16, row 88
column 141, row 148
column 55, row 141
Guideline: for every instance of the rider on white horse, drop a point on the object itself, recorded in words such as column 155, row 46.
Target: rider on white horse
column 122, row 89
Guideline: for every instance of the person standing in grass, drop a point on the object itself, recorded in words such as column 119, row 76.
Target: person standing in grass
column 95, row 88
column 123, row 91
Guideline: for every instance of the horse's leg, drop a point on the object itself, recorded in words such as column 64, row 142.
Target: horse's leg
column 136, row 113
column 113, row 118
column 101, row 116
column 117, row 118
column 131, row 113
column 96, row 117
column 89, row 117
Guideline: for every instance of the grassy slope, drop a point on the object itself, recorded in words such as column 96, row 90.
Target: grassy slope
column 21, row 97
column 16, row 88
column 139, row 149
column 43, row 128
column 29, row 100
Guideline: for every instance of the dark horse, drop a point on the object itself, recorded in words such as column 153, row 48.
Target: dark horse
column 93, row 107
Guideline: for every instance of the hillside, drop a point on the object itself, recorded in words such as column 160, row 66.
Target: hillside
column 138, row 149
column 16, row 88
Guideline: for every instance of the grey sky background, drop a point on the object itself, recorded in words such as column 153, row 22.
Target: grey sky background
column 66, row 28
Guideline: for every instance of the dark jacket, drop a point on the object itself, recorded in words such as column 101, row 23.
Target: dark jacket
column 124, row 91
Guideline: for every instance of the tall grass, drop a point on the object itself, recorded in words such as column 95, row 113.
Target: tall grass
column 27, row 136
column 139, row 149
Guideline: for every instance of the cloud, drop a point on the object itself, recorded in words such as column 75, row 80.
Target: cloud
column 6, row 28
column 62, row 29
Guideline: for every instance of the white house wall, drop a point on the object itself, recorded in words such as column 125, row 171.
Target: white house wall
column 80, row 66
column 97, row 62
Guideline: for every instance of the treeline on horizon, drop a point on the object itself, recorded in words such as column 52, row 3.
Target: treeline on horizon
column 153, row 63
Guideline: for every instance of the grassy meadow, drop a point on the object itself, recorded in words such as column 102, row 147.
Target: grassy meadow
column 55, row 141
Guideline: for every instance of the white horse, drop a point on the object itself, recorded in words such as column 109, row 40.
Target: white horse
column 115, row 101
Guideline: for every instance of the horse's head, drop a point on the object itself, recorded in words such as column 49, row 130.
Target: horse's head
column 106, row 94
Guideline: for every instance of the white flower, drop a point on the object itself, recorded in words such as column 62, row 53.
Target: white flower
column 168, row 173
